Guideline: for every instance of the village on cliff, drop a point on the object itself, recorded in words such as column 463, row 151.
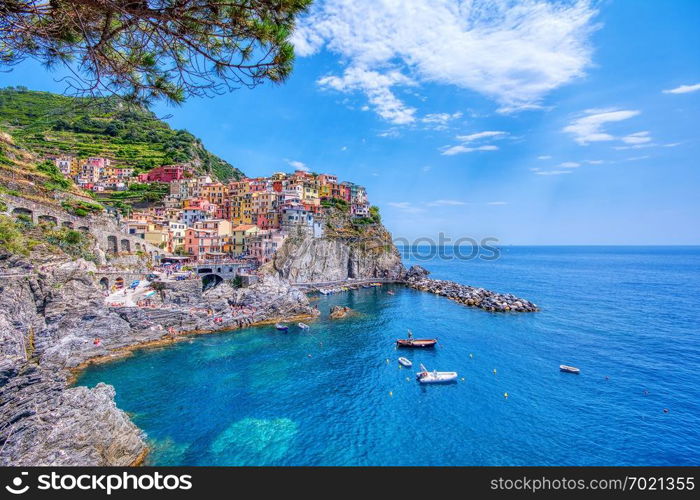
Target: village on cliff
column 206, row 220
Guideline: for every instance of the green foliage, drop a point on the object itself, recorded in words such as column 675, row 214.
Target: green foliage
column 337, row 203
column 236, row 282
column 374, row 214
column 81, row 208
column 57, row 181
column 50, row 124
column 155, row 49
column 149, row 193
column 12, row 239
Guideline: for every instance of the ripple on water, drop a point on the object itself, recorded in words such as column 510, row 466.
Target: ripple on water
column 254, row 441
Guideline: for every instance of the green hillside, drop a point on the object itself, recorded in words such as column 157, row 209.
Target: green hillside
column 47, row 123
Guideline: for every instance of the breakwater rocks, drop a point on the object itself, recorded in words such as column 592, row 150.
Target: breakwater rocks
column 55, row 321
column 417, row 278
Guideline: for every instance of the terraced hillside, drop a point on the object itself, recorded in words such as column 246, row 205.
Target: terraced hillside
column 46, row 123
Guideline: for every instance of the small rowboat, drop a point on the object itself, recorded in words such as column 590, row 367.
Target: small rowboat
column 416, row 342
column 569, row 369
column 405, row 362
column 303, row 326
column 281, row 326
column 435, row 377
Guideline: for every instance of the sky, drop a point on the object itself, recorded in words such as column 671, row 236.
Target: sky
column 534, row 122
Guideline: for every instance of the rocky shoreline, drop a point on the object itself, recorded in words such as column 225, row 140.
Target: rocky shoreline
column 417, row 278
column 55, row 323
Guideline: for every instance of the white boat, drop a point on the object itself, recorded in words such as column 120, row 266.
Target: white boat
column 281, row 326
column 435, row 377
column 405, row 362
column 303, row 326
column 569, row 369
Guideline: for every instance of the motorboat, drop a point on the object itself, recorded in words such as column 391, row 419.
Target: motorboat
column 416, row 343
column 303, row 326
column 569, row 369
column 405, row 362
column 281, row 327
column 435, row 377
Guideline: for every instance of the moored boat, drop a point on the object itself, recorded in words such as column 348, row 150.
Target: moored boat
column 303, row 326
column 417, row 343
column 281, row 326
column 569, row 369
column 435, row 377
column 405, row 362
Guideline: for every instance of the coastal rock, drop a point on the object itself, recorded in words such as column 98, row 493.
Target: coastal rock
column 318, row 260
column 56, row 319
column 47, row 424
column 338, row 312
column 417, row 278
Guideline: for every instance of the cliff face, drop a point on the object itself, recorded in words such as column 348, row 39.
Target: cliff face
column 366, row 254
column 50, row 319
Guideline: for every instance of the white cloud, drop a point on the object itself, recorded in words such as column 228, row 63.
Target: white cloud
column 497, row 203
column 377, row 87
column 455, row 150
column 595, row 162
column 446, row 203
column 553, row 172
column 683, row 89
column 513, row 53
column 570, row 164
column 544, row 157
column 298, row 165
column 344, row 148
column 440, row 121
column 637, row 138
column 589, row 127
column 487, row 134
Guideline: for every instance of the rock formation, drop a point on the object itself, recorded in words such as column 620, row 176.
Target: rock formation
column 366, row 254
column 417, row 278
column 55, row 319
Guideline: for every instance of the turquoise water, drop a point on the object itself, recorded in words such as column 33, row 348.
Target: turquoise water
column 329, row 397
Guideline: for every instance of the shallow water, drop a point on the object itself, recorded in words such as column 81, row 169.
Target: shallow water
column 328, row 396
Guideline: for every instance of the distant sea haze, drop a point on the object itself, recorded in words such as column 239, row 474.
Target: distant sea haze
column 335, row 394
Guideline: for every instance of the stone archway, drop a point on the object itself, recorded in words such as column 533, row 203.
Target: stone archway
column 125, row 245
column 104, row 284
column 210, row 281
column 49, row 219
column 67, row 224
column 119, row 283
column 112, row 244
column 16, row 212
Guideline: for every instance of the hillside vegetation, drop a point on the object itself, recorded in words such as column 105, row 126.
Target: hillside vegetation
column 46, row 123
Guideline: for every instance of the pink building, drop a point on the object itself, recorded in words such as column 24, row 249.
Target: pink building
column 166, row 173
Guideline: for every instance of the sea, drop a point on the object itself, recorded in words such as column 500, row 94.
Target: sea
column 627, row 317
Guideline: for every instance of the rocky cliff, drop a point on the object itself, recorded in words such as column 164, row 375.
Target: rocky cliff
column 367, row 252
column 54, row 319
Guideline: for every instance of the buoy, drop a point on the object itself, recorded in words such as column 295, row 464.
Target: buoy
column 309, row 355
column 408, row 379
column 471, row 355
column 494, row 371
column 505, row 395
column 387, row 361
column 391, row 394
column 462, row 379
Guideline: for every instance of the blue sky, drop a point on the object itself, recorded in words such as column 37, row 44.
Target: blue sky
column 570, row 122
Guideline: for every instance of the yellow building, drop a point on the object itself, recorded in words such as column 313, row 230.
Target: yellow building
column 241, row 233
